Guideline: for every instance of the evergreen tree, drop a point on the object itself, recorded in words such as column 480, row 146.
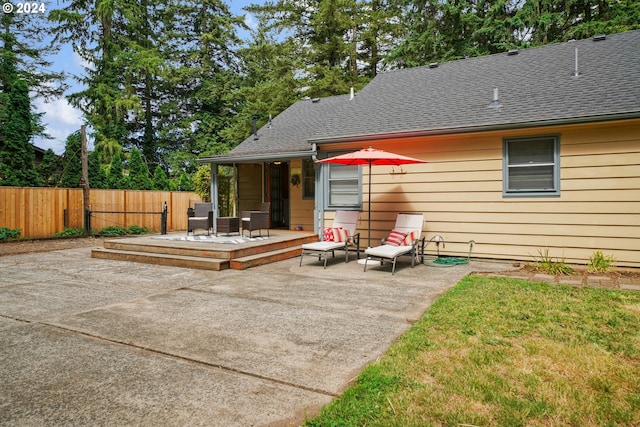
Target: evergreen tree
column 107, row 100
column 72, row 161
column 267, row 85
column 116, row 177
column 184, row 182
column 138, row 172
column 24, row 47
column 159, row 70
column 49, row 169
column 97, row 176
column 17, row 167
column 160, row 179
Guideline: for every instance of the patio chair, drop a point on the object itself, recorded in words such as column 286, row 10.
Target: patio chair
column 341, row 235
column 201, row 216
column 256, row 220
column 405, row 238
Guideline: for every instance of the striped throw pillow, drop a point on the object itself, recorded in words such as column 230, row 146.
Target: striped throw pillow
column 340, row 234
column 395, row 238
column 411, row 236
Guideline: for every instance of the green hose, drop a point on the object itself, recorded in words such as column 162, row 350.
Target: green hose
column 445, row 262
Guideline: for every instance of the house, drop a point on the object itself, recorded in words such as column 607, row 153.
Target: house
column 526, row 151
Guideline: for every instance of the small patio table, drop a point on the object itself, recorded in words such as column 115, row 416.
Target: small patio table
column 227, row 225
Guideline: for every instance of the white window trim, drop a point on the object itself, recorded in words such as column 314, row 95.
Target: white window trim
column 327, row 187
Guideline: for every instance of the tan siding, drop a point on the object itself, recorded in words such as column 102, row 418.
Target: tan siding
column 301, row 209
column 460, row 192
column 249, row 186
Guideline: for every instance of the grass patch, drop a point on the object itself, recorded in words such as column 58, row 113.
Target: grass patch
column 496, row 351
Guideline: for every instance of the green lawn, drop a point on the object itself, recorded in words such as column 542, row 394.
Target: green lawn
column 503, row 352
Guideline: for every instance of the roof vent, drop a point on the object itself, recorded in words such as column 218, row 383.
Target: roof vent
column 495, row 104
column 434, row 65
column 315, row 100
column 576, row 73
column 512, row 52
column 599, row 37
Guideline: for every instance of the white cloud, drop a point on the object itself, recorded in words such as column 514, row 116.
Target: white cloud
column 250, row 21
column 81, row 63
column 60, row 111
column 60, row 119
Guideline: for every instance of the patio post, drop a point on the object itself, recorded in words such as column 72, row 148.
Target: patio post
column 214, row 195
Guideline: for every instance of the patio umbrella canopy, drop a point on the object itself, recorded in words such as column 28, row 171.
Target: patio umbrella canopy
column 371, row 156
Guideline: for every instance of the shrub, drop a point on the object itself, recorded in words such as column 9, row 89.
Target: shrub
column 113, row 230
column 550, row 265
column 136, row 229
column 70, row 232
column 116, row 230
column 599, row 263
column 9, row 233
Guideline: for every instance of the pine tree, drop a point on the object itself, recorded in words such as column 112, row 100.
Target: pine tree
column 160, row 179
column 49, row 169
column 97, row 176
column 138, row 172
column 72, row 161
column 116, row 177
column 17, row 167
column 184, row 182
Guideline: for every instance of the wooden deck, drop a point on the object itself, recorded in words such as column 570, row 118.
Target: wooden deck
column 282, row 244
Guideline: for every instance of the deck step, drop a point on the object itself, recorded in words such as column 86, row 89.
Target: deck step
column 184, row 261
column 243, row 263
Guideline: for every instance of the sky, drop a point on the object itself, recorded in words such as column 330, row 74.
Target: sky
column 61, row 118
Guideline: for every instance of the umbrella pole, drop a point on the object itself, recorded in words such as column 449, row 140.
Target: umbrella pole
column 369, row 205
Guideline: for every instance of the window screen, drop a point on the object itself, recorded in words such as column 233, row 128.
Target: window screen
column 531, row 166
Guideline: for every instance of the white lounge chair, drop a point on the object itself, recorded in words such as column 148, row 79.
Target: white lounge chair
column 345, row 220
column 405, row 238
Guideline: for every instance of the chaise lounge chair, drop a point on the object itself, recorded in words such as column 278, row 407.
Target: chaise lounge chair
column 336, row 238
column 200, row 217
column 405, row 238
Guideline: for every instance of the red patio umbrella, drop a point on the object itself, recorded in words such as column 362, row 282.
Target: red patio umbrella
column 371, row 156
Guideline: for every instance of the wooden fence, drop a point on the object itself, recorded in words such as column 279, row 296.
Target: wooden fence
column 43, row 212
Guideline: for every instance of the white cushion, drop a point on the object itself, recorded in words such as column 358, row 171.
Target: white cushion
column 323, row 246
column 388, row 251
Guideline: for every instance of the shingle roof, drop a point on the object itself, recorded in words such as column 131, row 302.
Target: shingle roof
column 289, row 130
column 535, row 87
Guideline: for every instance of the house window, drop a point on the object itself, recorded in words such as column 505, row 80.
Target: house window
column 308, row 179
column 343, row 187
column 531, row 166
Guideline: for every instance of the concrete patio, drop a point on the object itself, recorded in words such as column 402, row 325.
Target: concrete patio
column 90, row 341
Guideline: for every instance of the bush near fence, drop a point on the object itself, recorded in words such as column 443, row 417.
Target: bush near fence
column 42, row 212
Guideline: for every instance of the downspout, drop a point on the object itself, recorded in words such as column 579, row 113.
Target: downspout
column 318, row 212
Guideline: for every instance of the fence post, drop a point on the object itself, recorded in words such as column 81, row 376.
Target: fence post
column 87, row 220
column 163, row 219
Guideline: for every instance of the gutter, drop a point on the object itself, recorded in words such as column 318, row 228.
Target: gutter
column 263, row 157
column 472, row 129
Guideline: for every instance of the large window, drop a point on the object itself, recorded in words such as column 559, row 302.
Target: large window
column 531, row 166
column 343, row 187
